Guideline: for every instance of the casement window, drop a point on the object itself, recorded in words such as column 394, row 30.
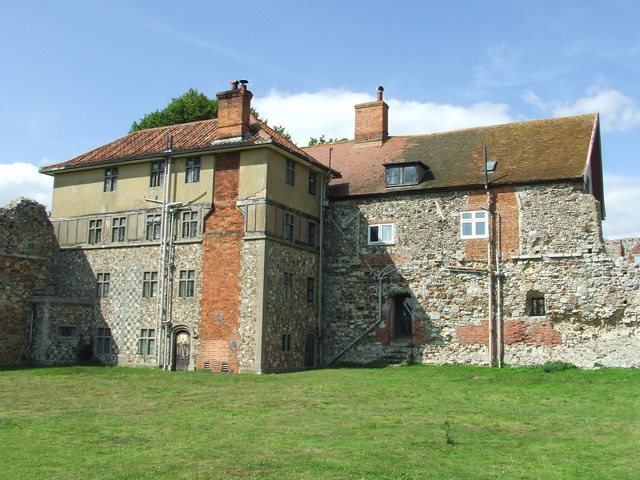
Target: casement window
column 286, row 342
column 156, row 177
column 102, row 282
column 118, row 226
column 474, row 224
column 153, row 227
column 95, row 231
column 147, row 342
column 110, row 179
column 287, row 289
column 381, row 234
column 189, row 224
column 192, row 170
column 290, row 172
column 311, row 234
column 312, row 182
column 311, row 289
column 103, row 340
column 150, row 284
column 187, row 283
column 68, row 332
column 401, row 174
column 289, row 226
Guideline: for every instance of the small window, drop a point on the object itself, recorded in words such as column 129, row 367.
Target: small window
column 289, row 226
column 189, row 224
column 103, row 280
column 536, row 306
column 287, row 290
column 118, row 226
column 311, row 289
column 398, row 175
column 312, row 182
column 192, row 171
column 103, row 340
column 286, row 342
column 474, row 224
column 68, row 332
column 382, row 234
column 311, row 234
column 156, row 178
column 290, row 172
column 147, row 342
column 95, row 231
column 187, row 283
column 110, row 179
column 636, row 259
column 149, row 284
column 153, row 227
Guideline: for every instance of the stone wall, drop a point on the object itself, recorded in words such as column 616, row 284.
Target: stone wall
column 591, row 300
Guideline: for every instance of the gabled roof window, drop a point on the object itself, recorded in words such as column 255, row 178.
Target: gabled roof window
column 401, row 174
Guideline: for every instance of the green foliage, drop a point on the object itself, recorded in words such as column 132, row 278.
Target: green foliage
column 557, row 367
column 318, row 141
column 280, row 129
column 189, row 107
column 142, row 423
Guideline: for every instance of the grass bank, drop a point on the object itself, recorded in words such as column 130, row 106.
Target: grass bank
column 390, row 423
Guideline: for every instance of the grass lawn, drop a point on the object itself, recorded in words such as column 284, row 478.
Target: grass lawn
column 389, row 423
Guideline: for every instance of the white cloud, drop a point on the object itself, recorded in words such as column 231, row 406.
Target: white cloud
column 618, row 112
column 23, row 180
column 622, row 196
column 331, row 113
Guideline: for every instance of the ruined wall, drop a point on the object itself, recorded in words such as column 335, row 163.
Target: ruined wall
column 555, row 251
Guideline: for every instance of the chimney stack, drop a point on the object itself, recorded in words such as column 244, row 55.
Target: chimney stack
column 372, row 121
column 234, row 108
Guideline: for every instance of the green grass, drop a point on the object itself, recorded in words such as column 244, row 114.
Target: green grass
column 387, row 423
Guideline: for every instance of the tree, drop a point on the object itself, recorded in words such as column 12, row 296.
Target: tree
column 190, row 107
column 318, row 141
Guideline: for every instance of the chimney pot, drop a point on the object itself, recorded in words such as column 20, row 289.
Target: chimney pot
column 234, row 85
column 380, row 90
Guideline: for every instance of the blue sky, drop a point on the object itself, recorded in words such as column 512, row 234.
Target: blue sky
column 78, row 73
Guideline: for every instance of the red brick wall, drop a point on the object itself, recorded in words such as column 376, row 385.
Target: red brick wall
column 372, row 122
column 515, row 331
column 233, row 113
column 222, row 242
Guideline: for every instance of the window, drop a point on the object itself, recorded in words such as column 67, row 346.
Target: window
column 186, row 284
column 95, row 231
column 381, row 234
column 311, row 234
column 536, row 306
column 636, row 259
column 398, row 175
column 147, row 342
column 311, row 289
column 103, row 280
column 312, row 183
column 68, row 332
column 286, row 342
column 287, row 291
column 103, row 340
column 290, row 173
column 156, row 178
column 110, row 179
column 149, row 284
column 153, row 227
column 473, row 224
column 402, row 316
column 118, row 225
column 289, row 224
column 192, row 172
column 189, row 224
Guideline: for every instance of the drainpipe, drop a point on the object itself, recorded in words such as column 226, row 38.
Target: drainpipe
column 161, row 323
column 323, row 191
column 499, row 319
column 491, row 339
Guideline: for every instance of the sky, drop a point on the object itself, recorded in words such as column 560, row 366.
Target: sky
column 77, row 73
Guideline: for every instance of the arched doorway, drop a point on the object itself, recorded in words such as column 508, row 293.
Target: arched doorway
column 181, row 350
column 310, row 350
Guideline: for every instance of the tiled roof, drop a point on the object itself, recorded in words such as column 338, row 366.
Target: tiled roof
column 531, row 151
column 187, row 137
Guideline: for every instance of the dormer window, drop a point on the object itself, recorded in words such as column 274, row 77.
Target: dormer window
column 400, row 174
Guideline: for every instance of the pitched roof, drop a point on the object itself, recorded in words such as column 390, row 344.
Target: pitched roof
column 187, row 137
column 531, row 151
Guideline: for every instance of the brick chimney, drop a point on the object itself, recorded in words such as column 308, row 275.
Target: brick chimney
column 372, row 121
column 234, row 107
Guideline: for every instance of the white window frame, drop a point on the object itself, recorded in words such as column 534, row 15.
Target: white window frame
column 474, row 218
column 383, row 239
